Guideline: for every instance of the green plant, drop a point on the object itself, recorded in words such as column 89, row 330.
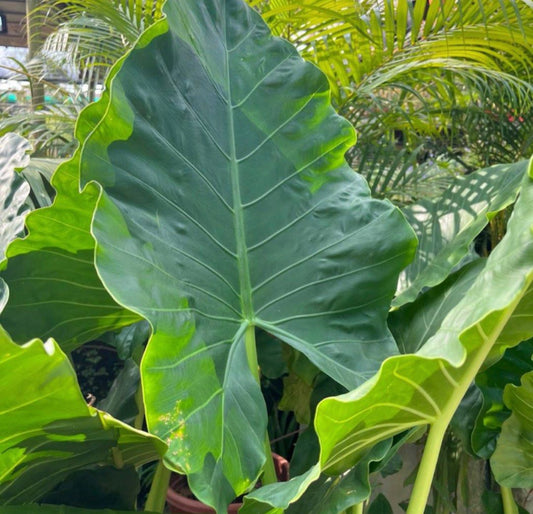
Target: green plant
column 216, row 201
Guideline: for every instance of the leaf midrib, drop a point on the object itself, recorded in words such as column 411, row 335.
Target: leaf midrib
column 245, row 287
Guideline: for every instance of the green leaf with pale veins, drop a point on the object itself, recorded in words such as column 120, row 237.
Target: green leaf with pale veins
column 47, row 430
column 512, row 461
column 54, row 288
column 227, row 205
column 447, row 226
column 14, row 190
column 426, row 388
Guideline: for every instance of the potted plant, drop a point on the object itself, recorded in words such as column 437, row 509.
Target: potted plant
column 216, row 204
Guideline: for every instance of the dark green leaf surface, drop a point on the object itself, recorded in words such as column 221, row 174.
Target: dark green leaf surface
column 54, row 288
column 426, row 388
column 120, row 402
column 512, row 461
column 227, row 204
column 14, row 189
column 447, row 226
column 47, row 430
column 100, row 488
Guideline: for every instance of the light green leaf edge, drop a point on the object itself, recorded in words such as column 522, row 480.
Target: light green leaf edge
column 54, row 288
column 447, row 226
column 512, row 461
column 47, row 430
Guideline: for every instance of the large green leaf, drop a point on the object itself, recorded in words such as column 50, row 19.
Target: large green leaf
column 47, row 430
column 427, row 387
column 14, row 189
column 447, row 225
column 512, row 461
column 227, row 205
column 54, row 288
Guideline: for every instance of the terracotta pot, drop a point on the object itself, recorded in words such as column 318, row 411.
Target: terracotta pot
column 180, row 504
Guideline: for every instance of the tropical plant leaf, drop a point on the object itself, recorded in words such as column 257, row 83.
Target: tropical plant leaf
column 14, row 190
column 409, row 390
column 47, row 430
column 413, row 324
column 491, row 384
column 121, row 399
column 512, row 461
column 234, row 218
column 54, row 288
column 314, row 494
column 447, row 226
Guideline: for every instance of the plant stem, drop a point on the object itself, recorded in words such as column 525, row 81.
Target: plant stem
column 509, row 505
column 426, row 470
column 269, row 472
column 158, row 492
column 465, row 376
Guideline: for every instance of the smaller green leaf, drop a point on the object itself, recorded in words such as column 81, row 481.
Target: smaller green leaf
column 47, row 430
column 54, row 288
column 120, row 402
column 14, row 189
column 129, row 340
column 491, row 383
column 296, row 397
column 414, row 323
column 447, row 226
column 512, row 461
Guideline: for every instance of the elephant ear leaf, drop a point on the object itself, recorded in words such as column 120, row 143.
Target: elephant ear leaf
column 447, row 226
column 47, row 430
column 227, row 205
column 512, row 461
column 54, row 288
column 14, row 190
column 409, row 390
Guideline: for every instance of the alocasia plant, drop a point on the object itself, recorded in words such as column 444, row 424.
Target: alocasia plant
column 216, row 201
